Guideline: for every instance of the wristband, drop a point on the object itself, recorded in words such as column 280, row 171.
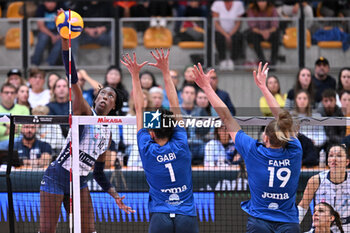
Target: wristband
column 65, row 58
column 100, row 176
column 302, row 213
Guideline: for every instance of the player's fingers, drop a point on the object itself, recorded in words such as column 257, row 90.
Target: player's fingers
column 143, row 64
column 154, row 56
column 153, row 64
column 125, row 64
column 211, row 71
column 265, row 67
column 167, row 53
column 259, row 68
column 134, row 55
column 162, row 52
column 157, row 51
column 200, row 68
column 129, row 58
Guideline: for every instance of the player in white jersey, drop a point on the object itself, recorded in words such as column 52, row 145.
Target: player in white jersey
column 331, row 186
column 324, row 217
column 94, row 141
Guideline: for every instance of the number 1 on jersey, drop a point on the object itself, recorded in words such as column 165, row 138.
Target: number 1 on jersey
column 171, row 171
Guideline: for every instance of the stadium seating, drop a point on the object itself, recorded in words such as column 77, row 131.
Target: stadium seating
column 0, row 12
column 330, row 44
column 193, row 44
column 13, row 38
column 13, row 10
column 290, row 38
column 129, row 38
column 157, row 37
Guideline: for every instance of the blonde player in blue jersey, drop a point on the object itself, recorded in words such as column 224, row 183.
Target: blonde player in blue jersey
column 94, row 141
column 165, row 156
column 273, row 167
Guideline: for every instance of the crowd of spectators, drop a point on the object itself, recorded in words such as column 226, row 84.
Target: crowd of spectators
column 231, row 37
column 313, row 95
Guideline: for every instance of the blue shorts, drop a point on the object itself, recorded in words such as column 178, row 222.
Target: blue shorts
column 258, row 225
column 162, row 222
column 56, row 180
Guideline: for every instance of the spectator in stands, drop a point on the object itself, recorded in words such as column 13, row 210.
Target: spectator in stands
column 344, row 97
column 303, row 109
column 335, row 8
column 329, row 108
column 52, row 77
column 188, row 106
column 23, row 95
column 114, row 78
column 188, row 77
column 203, row 102
column 14, row 76
column 221, row 150
column 133, row 9
column 89, row 94
column 47, row 33
column 227, row 34
column 148, row 80
column 37, row 94
column 343, row 82
column 324, row 218
column 329, row 186
column 262, row 30
column 8, row 105
column 291, row 9
column 34, row 152
column 303, row 81
column 321, row 79
column 273, row 84
column 94, row 32
column 175, row 78
column 156, row 96
column 186, row 8
column 310, row 156
column 49, row 133
column 59, row 104
column 224, row 96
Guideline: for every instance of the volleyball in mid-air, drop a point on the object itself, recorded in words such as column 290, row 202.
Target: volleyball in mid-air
column 62, row 24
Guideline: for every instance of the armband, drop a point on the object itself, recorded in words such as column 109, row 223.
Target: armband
column 302, row 213
column 65, row 58
column 100, row 176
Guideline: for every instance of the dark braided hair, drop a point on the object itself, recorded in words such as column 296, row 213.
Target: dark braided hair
column 336, row 215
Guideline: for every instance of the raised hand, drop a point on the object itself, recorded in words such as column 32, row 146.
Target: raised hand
column 260, row 76
column 162, row 60
column 121, row 205
column 202, row 79
column 131, row 64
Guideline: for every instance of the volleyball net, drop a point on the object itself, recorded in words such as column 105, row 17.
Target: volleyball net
column 219, row 176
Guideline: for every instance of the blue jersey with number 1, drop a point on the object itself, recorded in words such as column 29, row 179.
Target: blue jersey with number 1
column 168, row 173
column 273, row 176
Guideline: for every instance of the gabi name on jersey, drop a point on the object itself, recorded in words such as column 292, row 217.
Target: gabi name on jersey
column 165, row 158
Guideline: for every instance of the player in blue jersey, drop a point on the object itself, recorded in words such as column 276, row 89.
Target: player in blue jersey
column 165, row 156
column 273, row 167
column 94, row 141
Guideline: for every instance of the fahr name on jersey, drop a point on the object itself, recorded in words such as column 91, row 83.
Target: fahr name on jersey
column 279, row 163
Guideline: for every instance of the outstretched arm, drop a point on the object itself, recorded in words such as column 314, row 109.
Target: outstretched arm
column 163, row 65
column 137, row 93
column 312, row 185
column 102, row 180
column 260, row 80
column 80, row 106
column 220, row 107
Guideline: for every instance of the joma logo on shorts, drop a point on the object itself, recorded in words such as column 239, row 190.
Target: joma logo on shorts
column 278, row 196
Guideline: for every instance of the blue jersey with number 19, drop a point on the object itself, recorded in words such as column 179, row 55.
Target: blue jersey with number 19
column 168, row 173
column 273, row 176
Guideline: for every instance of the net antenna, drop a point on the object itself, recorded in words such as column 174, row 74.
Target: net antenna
column 70, row 127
